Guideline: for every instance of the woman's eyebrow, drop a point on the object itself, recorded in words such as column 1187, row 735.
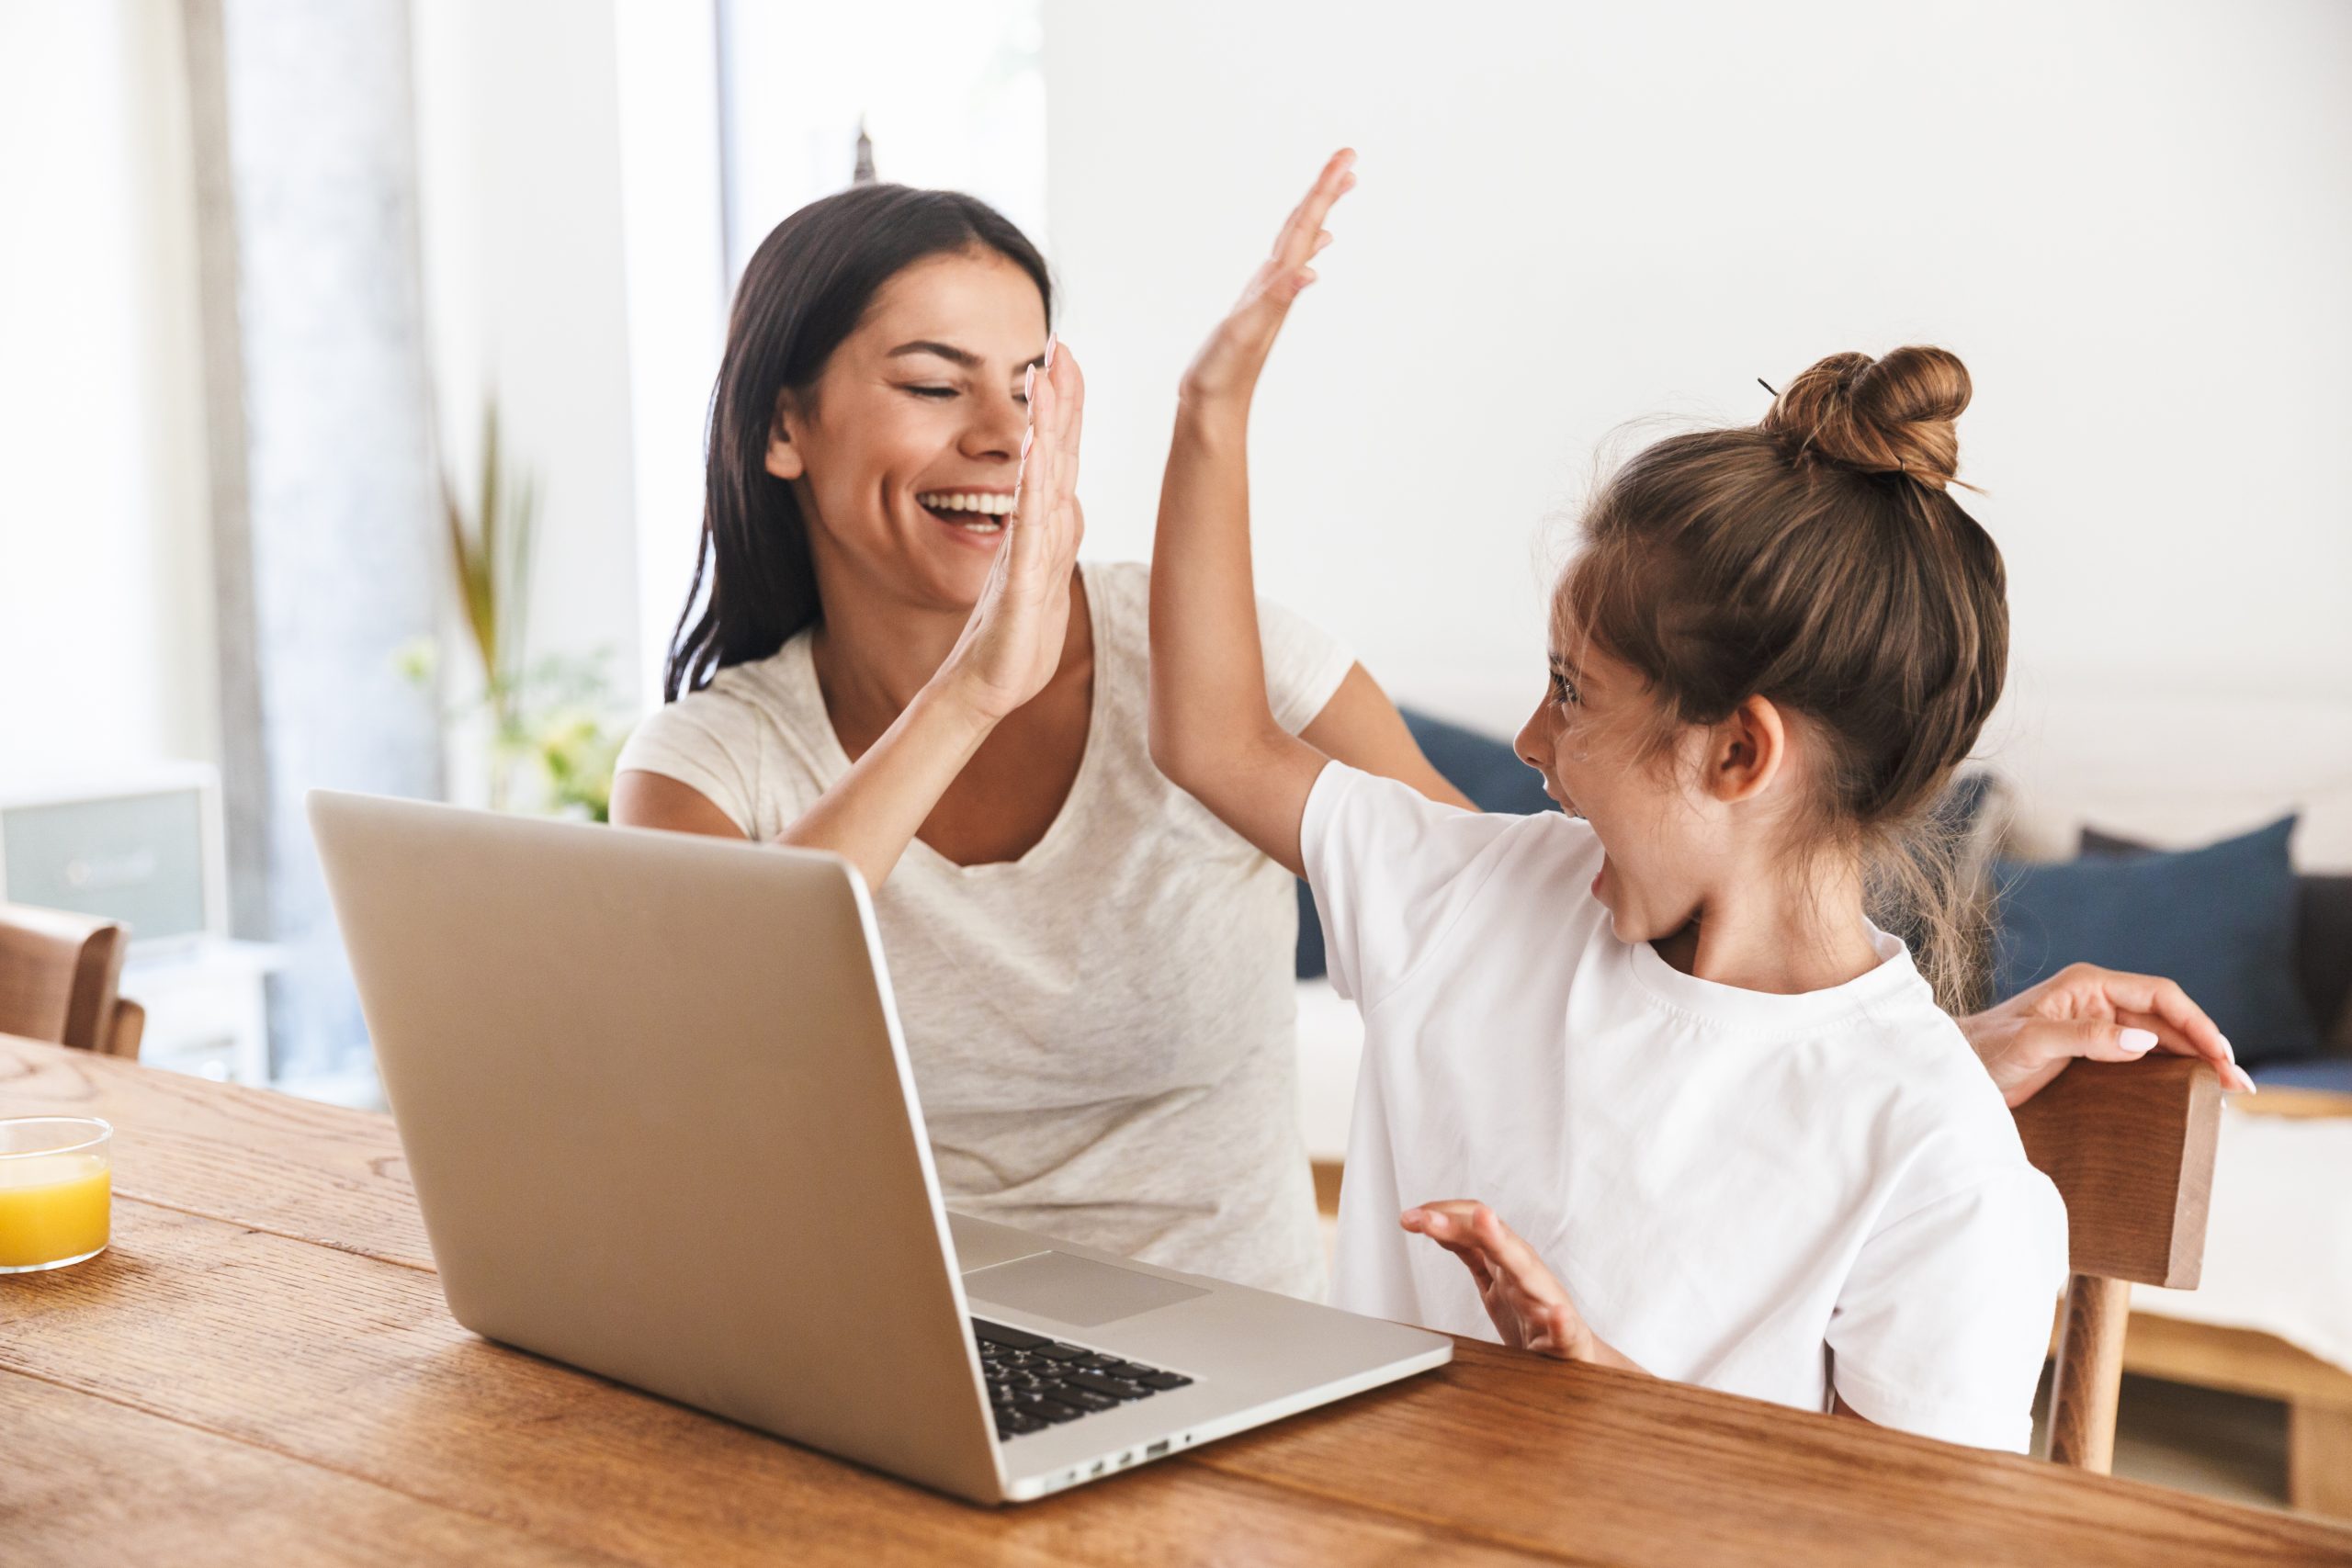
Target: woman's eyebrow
column 953, row 354
column 948, row 352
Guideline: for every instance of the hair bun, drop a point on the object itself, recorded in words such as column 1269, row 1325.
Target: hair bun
column 1894, row 415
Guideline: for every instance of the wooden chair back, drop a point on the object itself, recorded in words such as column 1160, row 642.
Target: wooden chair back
column 58, row 976
column 2130, row 1146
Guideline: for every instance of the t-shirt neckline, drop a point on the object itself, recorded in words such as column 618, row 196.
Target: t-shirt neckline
column 801, row 671
column 1744, row 1011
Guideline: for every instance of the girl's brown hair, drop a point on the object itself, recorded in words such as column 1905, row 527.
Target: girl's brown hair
column 1818, row 560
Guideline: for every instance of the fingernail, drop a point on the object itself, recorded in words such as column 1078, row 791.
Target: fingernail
column 1028, row 380
column 1053, row 340
column 1027, row 435
column 2136, row 1040
column 2228, row 1050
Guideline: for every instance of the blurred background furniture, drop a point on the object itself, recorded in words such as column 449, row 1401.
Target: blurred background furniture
column 59, row 974
column 141, row 848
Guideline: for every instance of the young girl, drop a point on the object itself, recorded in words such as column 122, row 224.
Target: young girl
column 1742, row 1143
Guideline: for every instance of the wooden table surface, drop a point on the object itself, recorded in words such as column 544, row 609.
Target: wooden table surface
column 260, row 1371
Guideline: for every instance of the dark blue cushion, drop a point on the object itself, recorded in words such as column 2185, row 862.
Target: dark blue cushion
column 2220, row 920
column 1487, row 770
column 2334, row 1073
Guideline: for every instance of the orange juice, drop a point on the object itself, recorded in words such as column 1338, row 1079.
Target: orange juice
column 52, row 1208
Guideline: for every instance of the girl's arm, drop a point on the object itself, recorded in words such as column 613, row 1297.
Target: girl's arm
column 1008, row 650
column 1212, row 731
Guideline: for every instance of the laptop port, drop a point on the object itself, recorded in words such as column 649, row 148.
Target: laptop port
column 1156, row 1449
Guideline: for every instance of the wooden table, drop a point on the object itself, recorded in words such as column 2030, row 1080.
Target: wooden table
column 260, row 1371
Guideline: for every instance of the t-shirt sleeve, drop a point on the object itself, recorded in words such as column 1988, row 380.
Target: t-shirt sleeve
column 705, row 741
column 1944, row 1322
column 1304, row 664
column 1392, row 871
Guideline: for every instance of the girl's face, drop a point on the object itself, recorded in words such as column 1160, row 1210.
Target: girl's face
column 904, row 453
column 1593, row 738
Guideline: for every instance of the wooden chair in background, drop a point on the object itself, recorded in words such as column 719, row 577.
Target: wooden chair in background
column 58, row 976
column 2130, row 1146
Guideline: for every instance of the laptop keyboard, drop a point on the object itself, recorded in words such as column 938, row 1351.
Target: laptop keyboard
column 1035, row 1382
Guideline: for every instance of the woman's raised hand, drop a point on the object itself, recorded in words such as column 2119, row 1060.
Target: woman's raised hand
column 1530, row 1308
column 1227, row 366
column 1013, row 643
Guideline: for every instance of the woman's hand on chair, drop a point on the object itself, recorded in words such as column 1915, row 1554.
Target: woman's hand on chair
column 1013, row 643
column 1226, row 370
column 2104, row 1015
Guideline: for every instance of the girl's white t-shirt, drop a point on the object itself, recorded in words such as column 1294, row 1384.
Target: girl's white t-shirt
column 1104, row 1031
column 1772, row 1195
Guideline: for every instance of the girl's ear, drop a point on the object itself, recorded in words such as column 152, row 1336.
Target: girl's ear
column 1750, row 747
column 784, row 459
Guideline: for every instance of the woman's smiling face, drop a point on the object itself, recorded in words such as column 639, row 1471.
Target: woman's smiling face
column 905, row 453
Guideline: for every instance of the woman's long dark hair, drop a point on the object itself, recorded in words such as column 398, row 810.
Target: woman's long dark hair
column 806, row 289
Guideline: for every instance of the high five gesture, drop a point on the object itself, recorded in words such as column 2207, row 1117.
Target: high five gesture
column 1228, row 364
column 1013, row 641
column 1211, row 729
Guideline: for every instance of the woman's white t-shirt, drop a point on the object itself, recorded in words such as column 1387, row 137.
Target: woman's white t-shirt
column 1104, row 1031
column 1772, row 1195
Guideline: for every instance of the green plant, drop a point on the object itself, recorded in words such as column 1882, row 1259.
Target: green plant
column 550, row 719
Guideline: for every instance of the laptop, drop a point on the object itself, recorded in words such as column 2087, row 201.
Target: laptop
column 661, row 1122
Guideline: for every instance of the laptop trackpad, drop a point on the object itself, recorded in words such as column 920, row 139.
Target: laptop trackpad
column 1076, row 1291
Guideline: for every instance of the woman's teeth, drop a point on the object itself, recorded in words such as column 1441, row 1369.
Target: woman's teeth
column 981, row 509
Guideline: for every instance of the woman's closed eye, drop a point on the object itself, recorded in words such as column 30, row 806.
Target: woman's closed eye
column 941, row 393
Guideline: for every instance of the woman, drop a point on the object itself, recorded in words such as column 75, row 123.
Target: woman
column 1093, row 974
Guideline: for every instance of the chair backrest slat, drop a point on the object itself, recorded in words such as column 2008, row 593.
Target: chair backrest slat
column 2130, row 1146
column 58, row 976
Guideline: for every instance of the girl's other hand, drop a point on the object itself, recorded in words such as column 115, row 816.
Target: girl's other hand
column 1013, row 643
column 1530, row 1308
column 1226, row 369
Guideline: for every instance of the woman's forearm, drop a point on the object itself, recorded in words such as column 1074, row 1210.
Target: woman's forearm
column 874, row 811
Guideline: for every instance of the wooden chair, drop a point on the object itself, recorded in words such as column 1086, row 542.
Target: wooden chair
column 58, row 975
column 2130, row 1146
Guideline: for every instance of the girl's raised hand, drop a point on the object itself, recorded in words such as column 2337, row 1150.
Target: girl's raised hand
column 1528, row 1307
column 1227, row 366
column 1013, row 643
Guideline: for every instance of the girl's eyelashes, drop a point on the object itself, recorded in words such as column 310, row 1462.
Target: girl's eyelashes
column 1563, row 691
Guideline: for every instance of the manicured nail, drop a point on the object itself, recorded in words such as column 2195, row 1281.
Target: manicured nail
column 1028, row 380
column 2136, row 1040
column 1053, row 340
column 2228, row 1050
column 1028, row 435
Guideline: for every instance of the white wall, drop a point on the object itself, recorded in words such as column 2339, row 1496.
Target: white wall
column 106, row 626
column 2132, row 219
column 519, row 187
column 677, row 295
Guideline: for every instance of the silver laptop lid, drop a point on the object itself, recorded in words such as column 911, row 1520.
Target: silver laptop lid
column 661, row 1122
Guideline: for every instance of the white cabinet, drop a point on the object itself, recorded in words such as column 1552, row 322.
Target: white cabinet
column 208, row 1010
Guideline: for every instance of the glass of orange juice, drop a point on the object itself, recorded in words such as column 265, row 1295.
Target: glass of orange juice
column 56, row 1191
